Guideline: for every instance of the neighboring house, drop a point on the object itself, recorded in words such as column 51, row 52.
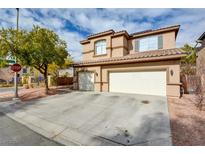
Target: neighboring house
column 145, row 62
column 66, row 72
column 6, row 75
column 200, row 62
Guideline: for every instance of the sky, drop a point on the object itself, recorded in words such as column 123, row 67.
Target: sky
column 73, row 25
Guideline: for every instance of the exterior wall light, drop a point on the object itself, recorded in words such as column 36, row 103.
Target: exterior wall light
column 172, row 72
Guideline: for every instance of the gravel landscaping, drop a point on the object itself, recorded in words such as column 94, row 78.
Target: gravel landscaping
column 187, row 122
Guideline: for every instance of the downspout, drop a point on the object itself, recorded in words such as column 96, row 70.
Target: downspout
column 101, row 84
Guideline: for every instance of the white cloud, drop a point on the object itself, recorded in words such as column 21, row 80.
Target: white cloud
column 73, row 41
column 73, row 24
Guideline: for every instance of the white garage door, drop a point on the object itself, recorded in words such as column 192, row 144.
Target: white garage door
column 86, row 81
column 149, row 83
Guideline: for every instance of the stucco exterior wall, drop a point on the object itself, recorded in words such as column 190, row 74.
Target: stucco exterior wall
column 200, row 64
column 169, row 40
column 119, row 46
column 102, row 74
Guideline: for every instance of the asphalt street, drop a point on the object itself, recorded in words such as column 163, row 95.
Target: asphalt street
column 14, row 134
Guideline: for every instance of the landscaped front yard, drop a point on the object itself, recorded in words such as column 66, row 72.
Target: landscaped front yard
column 187, row 122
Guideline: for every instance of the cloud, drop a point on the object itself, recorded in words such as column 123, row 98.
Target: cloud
column 72, row 39
column 73, row 25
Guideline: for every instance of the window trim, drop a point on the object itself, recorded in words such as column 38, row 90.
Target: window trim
column 137, row 43
column 96, row 47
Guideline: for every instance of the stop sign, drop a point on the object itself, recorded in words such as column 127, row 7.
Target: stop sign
column 16, row 67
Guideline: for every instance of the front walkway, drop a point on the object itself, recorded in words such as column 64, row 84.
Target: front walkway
column 88, row 118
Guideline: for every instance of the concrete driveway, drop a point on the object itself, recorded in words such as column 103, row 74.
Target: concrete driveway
column 88, row 118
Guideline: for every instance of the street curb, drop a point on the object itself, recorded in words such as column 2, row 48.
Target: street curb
column 67, row 136
column 59, row 134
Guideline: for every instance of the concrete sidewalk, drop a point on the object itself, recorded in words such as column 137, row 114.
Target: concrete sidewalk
column 88, row 118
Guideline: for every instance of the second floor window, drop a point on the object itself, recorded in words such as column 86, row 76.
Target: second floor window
column 100, row 47
column 149, row 43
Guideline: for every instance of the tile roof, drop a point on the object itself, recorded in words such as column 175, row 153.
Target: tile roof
column 202, row 36
column 155, row 30
column 141, row 32
column 111, row 31
column 107, row 31
column 140, row 56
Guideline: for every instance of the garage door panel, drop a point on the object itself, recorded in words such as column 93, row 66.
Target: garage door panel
column 150, row 83
column 86, row 81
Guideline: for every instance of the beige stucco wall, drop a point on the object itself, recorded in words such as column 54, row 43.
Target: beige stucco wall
column 102, row 76
column 200, row 64
column 117, row 41
column 200, row 61
column 169, row 40
column 119, row 46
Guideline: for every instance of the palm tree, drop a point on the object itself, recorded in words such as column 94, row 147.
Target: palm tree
column 188, row 63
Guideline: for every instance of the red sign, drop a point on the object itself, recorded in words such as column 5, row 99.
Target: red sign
column 16, row 67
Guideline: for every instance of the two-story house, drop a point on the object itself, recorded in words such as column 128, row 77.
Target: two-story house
column 145, row 62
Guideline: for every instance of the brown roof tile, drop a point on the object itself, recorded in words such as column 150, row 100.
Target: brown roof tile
column 202, row 36
column 154, row 30
column 101, row 33
column 141, row 32
column 146, row 32
column 140, row 56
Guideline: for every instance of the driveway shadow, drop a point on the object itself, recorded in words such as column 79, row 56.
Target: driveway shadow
column 154, row 130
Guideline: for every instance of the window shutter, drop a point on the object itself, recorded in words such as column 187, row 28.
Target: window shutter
column 137, row 45
column 160, row 42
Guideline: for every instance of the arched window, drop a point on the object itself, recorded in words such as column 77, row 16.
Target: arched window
column 100, row 47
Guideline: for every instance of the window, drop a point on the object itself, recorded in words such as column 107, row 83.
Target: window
column 24, row 70
column 149, row 43
column 100, row 47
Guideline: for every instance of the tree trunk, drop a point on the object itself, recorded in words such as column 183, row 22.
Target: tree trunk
column 46, row 79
